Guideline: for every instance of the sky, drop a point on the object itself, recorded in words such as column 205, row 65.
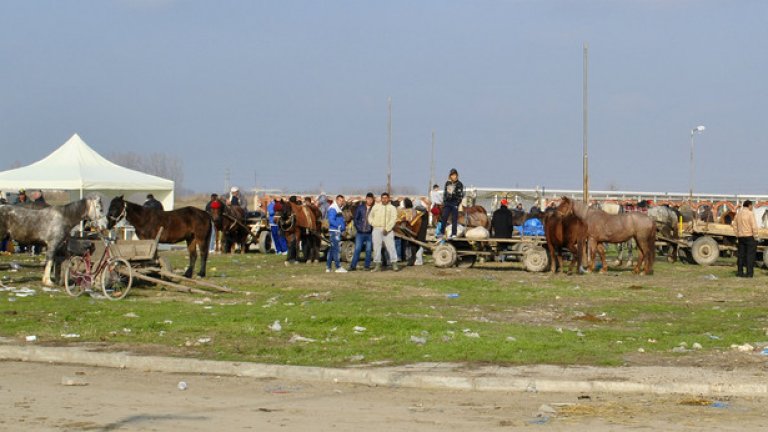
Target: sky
column 293, row 94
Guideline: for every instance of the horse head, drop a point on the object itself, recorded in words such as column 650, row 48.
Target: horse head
column 116, row 212
column 284, row 217
column 565, row 208
column 94, row 210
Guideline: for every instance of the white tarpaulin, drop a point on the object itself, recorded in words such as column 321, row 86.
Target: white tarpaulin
column 77, row 168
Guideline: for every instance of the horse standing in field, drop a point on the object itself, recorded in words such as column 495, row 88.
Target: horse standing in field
column 187, row 223
column 300, row 224
column 667, row 224
column 602, row 227
column 564, row 232
column 230, row 221
column 49, row 225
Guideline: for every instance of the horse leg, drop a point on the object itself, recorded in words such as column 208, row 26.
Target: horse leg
column 192, row 250
column 552, row 264
column 603, row 259
column 592, row 252
column 414, row 248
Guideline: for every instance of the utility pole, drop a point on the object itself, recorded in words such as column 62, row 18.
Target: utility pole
column 585, row 137
column 432, row 166
column 389, row 145
column 227, row 183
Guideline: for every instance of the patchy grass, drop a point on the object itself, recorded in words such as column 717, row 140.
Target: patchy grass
column 502, row 315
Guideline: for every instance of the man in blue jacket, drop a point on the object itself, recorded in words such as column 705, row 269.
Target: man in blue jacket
column 364, row 232
column 278, row 240
column 336, row 226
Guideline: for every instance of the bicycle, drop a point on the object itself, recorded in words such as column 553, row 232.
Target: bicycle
column 80, row 273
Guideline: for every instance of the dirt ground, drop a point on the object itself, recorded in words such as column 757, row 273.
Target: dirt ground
column 34, row 398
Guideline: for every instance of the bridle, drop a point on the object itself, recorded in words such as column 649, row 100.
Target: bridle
column 121, row 215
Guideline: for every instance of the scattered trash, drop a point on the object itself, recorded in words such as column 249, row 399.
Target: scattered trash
column 356, row 358
column 579, row 334
column 710, row 277
column 559, row 329
column 126, row 330
column 15, row 266
column 31, row 338
column 70, row 335
column 131, row 315
column 204, row 340
column 719, row 404
column 298, row 338
column 679, row 349
column 742, row 348
column 764, row 351
column 73, row 381
column 167, row 322
column 697, row 346
column 511, row 339
column 713, row 337
column 418, row 340
column 539, row 420
column 531, row 387
column 641, row 350
column 275, row 326
column 359, row 329
column 452, row 295
column 546, row 410
column 182, row 385
column 451, row 322
column 680, row 295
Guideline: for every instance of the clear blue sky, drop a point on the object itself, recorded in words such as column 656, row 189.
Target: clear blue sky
column 293, row 94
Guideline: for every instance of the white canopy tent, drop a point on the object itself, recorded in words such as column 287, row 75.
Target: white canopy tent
column 77, row 168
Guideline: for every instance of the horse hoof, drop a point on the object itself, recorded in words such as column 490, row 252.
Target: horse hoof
column 604, row 271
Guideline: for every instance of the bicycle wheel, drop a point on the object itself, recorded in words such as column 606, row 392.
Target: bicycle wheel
column 76, row 278
column 116, row 279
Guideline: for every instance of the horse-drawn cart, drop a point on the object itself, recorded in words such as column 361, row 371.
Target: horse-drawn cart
column 703, row 242
column 464, row 252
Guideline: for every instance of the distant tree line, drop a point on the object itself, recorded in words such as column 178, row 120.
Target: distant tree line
column 158, row 164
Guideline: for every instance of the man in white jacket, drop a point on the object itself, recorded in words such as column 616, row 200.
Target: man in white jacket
column 382, row 218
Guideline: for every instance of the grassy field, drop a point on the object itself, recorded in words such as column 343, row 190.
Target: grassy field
column 502, row 315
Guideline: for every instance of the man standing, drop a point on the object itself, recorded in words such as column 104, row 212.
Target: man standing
column 335, row 228
column 364, row 230
column 152, row 203
column 278, row 240
column 501, row 222
column 382, row 218
column 453, row 194
column 436, row 197
column 746, row 233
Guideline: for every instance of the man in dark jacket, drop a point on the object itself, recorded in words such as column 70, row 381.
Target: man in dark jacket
column 364, row 233
column 453, row 194
column 152, row 203
column 501, row 222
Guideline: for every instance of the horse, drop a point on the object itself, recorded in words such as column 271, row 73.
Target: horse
column 300, row 223
column 602, row 227
column 229, row 220
column 567, row 232
column 414, row 227
column 471, row 216
column 190, row 224
column 667, row 221
column 50, row 225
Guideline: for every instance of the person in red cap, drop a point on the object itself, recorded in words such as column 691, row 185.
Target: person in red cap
column 501, row 222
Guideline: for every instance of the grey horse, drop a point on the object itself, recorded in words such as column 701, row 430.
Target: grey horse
column 50, row 225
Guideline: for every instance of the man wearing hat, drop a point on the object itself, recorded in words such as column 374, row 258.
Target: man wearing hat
column 501, row 222
column 234, row 196
column 21, row 198
column 453, row 194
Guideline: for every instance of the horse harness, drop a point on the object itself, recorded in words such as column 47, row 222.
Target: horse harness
column 122, row 214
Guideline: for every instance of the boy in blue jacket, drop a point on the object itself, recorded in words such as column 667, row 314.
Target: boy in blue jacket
column 336, row 226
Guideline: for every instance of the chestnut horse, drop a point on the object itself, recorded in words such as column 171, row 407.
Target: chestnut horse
column 472, row 216
column 300, row 223
column 187, row 223
column 415, row 228
column 603, row 227
column 230, row 220
column 567, row 232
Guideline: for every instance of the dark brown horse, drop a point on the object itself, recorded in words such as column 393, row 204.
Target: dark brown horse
column 187, row 223
column 413, row 224
column 300, row 224
column 603, row 227
column 230, row 220
column 564, row 232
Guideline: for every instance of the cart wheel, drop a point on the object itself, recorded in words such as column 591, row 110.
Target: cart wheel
column 265, row 242
column 535, row 259
column 444, row 255
column 466, row 261
column 705, row 250
column 347, row 251
column 116, row 279
column 76, row 278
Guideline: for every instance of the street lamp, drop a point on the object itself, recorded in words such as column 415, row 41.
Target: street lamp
column 698, row 129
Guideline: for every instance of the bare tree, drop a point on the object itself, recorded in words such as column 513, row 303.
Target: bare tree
column 159, row 164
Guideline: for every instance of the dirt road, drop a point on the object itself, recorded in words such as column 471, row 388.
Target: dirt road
column 34, row 399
